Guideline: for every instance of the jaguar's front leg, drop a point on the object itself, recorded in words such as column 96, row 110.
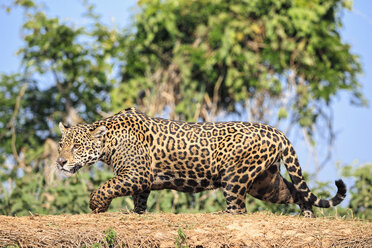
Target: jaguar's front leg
column 99, row 201
column 140, row 202
column 101, row 198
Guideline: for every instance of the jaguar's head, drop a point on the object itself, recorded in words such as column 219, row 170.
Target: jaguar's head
column 80, row 145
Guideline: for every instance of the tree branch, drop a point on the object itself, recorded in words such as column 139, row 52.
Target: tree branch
column 15, row 111
column 11, row 123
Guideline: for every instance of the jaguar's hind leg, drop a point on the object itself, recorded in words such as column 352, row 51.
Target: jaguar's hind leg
column 270, row 186
column 235, row 188
column 306, row 209
column 235, row 201
column 235, row 191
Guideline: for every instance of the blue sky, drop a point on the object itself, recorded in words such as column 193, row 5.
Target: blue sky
column 353, row 125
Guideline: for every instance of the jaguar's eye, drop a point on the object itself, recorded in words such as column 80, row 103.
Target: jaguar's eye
column 76, row 146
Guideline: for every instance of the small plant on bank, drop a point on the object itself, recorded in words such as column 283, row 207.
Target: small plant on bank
column 181, row 239
column 110, row 237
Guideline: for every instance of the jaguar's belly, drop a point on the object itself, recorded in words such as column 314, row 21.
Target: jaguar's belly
column 185, row 181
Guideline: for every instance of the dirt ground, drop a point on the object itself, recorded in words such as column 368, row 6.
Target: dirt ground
column 182, row 230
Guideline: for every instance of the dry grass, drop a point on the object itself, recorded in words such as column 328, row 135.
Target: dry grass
column 168, row 230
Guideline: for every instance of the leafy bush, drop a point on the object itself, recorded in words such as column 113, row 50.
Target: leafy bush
column 361, row 191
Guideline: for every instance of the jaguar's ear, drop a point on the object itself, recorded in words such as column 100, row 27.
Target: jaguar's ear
column 62, row 127
column 99, row 132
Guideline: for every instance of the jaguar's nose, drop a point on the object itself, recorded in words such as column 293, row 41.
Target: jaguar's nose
column 61, row 161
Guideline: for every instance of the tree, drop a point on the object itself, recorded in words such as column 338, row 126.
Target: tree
column 233, row 53
column 280, row 61
column 361, row 191
column 66, row 75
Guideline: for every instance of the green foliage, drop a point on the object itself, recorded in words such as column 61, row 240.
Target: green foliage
column 213, row 55
column 10, row 246
column 66, row 70
column 30, row 194
column 96, row 245
column 361, row 190
column 177, row 202
column 110, row 237
column 181, row 241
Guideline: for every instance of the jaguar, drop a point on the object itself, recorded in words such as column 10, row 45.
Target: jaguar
column 148, row 153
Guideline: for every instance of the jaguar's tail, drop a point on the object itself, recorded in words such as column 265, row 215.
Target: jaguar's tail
column 290, row 160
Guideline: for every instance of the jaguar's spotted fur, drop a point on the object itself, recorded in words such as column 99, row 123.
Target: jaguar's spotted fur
column 153, row 154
